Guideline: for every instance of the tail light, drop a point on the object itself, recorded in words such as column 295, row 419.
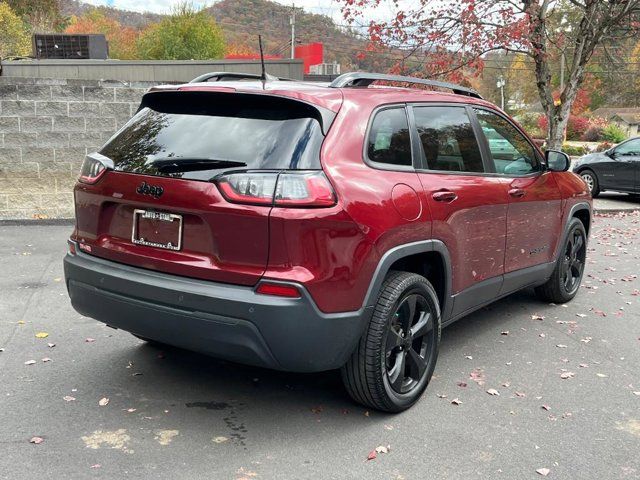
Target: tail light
column 286, row 189
column 94, row 167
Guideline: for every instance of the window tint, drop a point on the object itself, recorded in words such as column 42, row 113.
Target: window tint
column 196, row 136
column 512, row 154
column 630, row 148
column 389, row 138
column 447, row 139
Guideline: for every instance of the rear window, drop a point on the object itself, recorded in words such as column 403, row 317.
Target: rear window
column 197, row 135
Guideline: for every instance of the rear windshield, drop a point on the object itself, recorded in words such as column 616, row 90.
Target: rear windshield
column 197, row 135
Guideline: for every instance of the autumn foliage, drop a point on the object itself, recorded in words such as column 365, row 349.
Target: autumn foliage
column 122, row 40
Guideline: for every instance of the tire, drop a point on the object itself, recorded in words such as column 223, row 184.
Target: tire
column 591, row 180
column 571, row 261
column 385, row 352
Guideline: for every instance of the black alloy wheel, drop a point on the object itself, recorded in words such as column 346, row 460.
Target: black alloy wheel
column 395, row 358
column 408, row 343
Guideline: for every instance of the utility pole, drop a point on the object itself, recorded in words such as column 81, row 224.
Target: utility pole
column 292, row 20
column 500, row 84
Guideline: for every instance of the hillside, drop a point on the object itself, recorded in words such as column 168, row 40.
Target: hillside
column 243, row 20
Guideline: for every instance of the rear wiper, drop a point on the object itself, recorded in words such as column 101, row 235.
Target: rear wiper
column 182, row 164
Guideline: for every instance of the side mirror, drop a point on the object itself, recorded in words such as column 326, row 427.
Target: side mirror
column 611, row 153
column 557, row 161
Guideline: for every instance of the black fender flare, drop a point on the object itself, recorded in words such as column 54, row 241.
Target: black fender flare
column 406, row 250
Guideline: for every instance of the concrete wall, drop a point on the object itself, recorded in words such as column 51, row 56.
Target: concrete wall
column 145, row 70
column 47, row 126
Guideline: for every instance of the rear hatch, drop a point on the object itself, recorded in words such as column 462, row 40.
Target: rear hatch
column 152, row 198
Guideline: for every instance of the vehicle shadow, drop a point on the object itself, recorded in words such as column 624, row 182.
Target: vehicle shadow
column 171, row 377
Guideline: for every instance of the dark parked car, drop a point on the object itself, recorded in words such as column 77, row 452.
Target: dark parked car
column 309, row 227
column 616, row 169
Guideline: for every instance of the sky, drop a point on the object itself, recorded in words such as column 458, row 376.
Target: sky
column 326, row 7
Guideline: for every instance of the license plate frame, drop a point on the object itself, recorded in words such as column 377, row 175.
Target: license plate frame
column 139, row 213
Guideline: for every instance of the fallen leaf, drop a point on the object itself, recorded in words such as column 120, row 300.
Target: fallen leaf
column 441, row 395
column 317, row 409
column 42, row 335
column 456, row 401
column 521, row 394
column 51, row 345
column 468, row 357
column 462, row 384
column 219, row 439
column 581, row 315
column 505, row 332
column 131, row 410
column 601, row 375
column 561, row 346
column 542, row 335
column 636, row 393
column 36, row 440
column 383, row 449
column 46, row 359
column 97, row 465
column 30, row 362
column 372, row 455
column 103, row 402
column 543, row 471
column 565, row 375
column 89, row 340
column 546, row 407
column 537, row 317
column 494, row 392
column 68, row 398
column 21, row 322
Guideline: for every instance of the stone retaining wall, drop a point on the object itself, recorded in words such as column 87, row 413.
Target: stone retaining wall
column 47, row 126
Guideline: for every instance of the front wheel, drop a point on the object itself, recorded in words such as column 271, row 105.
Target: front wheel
column 567, row 275
column 396, row 356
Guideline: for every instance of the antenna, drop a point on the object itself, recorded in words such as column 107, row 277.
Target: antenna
column 264, row 71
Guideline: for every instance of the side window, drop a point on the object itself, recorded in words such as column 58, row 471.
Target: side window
column 447, row 139
column 630, row 148
column 512, row 153
column 389, row 140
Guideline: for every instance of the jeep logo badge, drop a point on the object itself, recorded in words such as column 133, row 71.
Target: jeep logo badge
column 145, row 189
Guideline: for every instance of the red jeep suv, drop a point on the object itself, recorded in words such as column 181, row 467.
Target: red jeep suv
column 306, row 227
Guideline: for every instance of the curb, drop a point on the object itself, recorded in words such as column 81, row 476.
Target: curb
column 33, row 222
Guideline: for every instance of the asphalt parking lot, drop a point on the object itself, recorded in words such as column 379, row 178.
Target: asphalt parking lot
column 174, row 414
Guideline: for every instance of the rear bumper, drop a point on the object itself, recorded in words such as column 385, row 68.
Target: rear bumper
column 226, row 321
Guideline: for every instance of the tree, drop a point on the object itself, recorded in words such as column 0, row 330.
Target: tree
column 42, row 16
column 185, row 34
column 122, row 40
column 451, row 38
column 14, row 37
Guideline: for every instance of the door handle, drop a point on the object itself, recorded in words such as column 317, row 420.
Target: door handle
column 445, row 196
column 517, row 192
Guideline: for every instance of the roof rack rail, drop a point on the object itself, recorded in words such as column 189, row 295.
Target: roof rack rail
column 229, row 76
column 364, row 79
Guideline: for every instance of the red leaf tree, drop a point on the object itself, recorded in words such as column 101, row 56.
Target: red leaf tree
column 449, row 39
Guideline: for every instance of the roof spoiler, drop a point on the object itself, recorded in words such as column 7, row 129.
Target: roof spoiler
column 230, row 76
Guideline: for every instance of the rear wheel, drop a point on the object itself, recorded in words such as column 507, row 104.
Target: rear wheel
column 396, row 355
column 567, row 275
column 591, row 180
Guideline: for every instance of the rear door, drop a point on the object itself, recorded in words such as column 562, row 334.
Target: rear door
column 159, row 207
column 467, row 202
column 535, row 206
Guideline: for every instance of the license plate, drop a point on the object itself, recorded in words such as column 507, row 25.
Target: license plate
column 157, row 229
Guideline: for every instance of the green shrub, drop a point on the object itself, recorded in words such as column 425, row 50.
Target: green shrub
column 614, row 133
column 574, row 151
